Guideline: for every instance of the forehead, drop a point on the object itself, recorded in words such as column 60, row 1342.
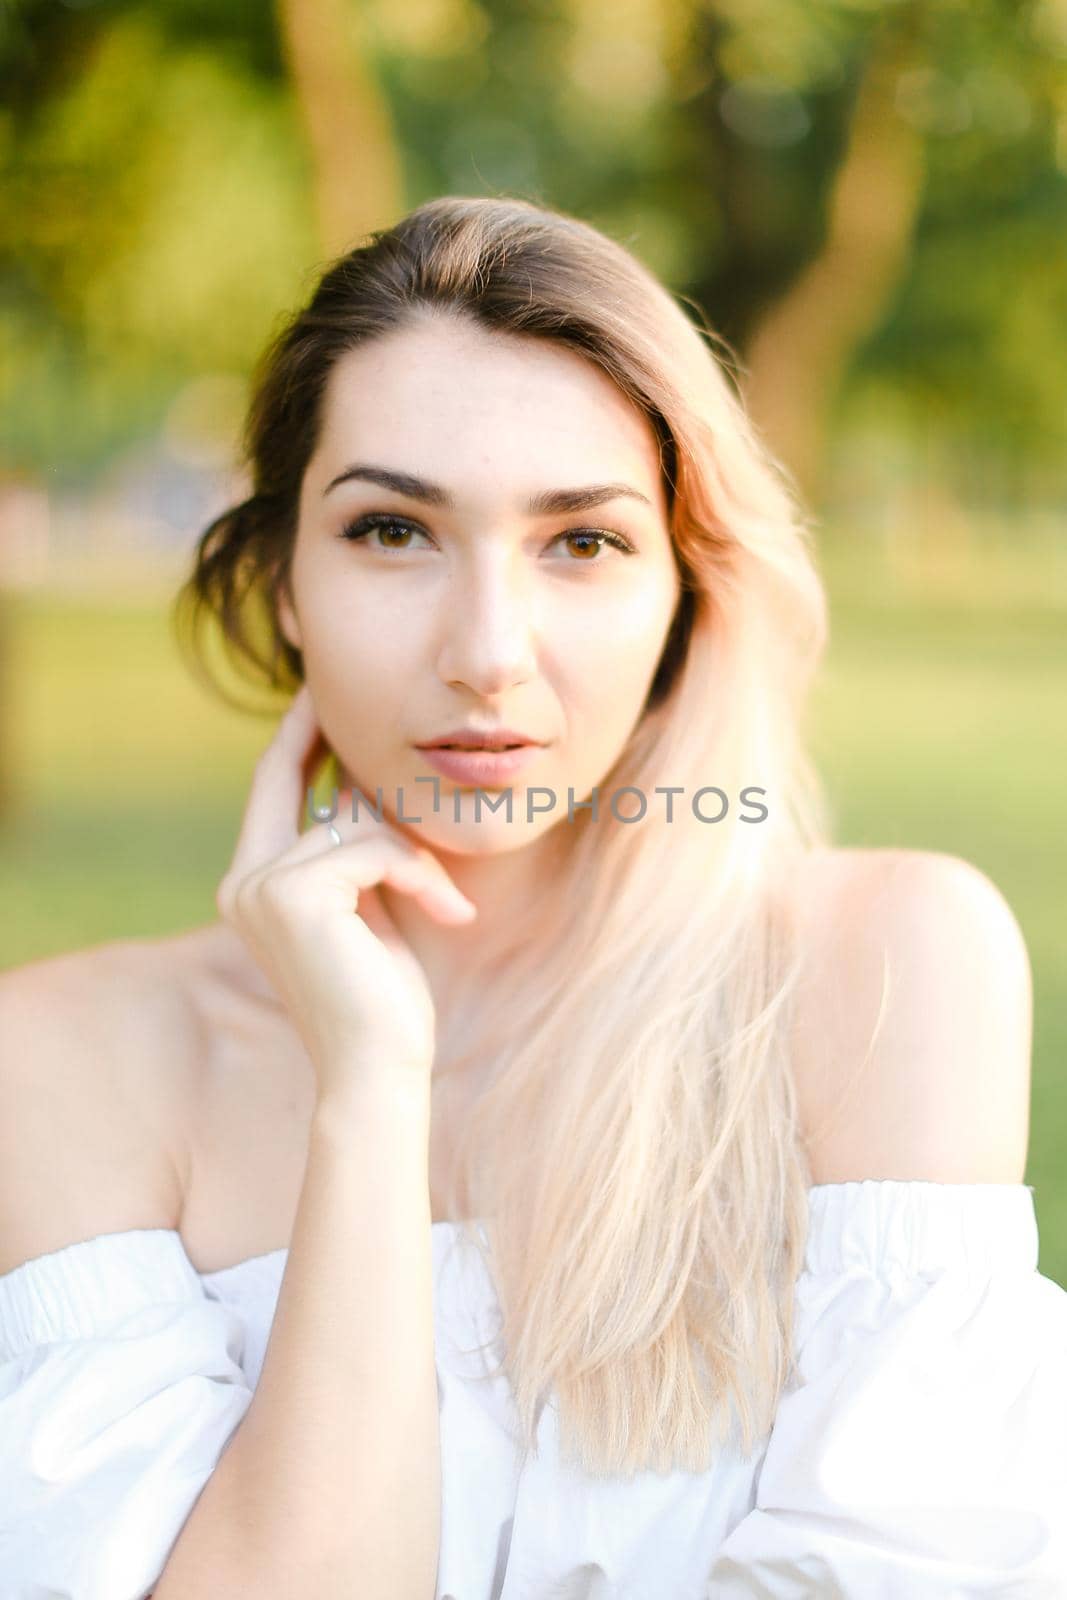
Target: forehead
column 448, row 398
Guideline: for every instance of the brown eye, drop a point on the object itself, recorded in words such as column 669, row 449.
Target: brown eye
column 394, row 535
column 388, row 532
column 593, row 541
column 388, row 529
column 591, row 545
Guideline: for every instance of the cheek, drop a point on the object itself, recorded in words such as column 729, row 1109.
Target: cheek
column 621, row 643
column 602, row 686
column 357, row 670
column 346, row 635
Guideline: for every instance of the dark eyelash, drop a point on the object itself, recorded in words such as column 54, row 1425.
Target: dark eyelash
column 355, row 531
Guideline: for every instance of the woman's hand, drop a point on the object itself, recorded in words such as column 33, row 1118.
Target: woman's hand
column 307, row 910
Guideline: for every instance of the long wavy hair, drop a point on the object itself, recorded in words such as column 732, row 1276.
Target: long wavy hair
column 633, row 1151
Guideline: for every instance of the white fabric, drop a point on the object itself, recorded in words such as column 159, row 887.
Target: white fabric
column 922, row 1454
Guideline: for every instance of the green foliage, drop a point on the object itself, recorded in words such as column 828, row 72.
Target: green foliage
column 155, row 192
column 160, row 202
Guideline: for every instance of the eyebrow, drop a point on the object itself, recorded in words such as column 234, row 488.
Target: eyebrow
column 550, row 502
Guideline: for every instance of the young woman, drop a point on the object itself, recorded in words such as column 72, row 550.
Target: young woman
column 560, row 1173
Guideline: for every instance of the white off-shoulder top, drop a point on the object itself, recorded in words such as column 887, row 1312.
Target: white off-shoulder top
column 922, row 1453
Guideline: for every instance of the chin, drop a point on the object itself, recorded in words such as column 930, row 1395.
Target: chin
column 472, row 839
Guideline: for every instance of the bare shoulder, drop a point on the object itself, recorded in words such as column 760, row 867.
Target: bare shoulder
column 913, row 1019
column 95, row 1053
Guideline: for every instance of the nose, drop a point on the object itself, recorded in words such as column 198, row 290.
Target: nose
column 488, row 632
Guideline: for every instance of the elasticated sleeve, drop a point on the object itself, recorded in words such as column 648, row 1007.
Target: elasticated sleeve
column 120, row 1385
column 924, row 1451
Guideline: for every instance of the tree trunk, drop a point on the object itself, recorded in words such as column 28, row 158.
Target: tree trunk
column 356, row 170
column 802, row 347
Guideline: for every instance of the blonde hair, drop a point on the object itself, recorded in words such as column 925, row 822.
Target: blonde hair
column 633, row 1151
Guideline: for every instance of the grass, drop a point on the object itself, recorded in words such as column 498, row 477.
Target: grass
column 939, row 723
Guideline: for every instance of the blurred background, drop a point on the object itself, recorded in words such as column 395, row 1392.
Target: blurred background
column 867, row 200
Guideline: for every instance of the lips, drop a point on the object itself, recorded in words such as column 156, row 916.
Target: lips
column 479, row 739
column 481, row 767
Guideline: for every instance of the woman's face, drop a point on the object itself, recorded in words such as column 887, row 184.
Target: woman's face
column 472, row 604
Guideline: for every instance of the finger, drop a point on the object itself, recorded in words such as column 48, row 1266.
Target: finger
column 377, row 918
column 355, row 817
column 318, row 837
column 363, row 825
column 361, row 862
column 275, row 801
